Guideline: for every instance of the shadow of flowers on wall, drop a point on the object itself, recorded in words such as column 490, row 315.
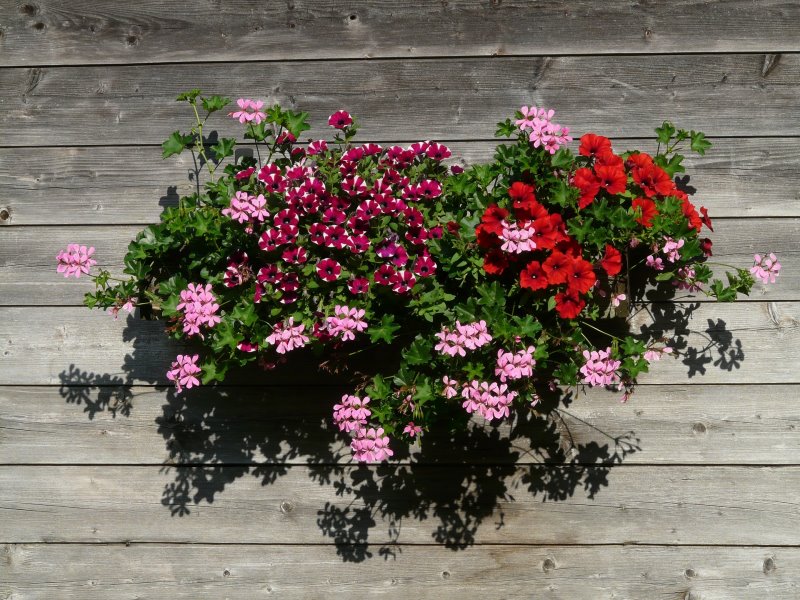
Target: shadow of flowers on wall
column 453, row 484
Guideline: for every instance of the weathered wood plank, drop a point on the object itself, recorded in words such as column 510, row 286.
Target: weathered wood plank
column 27, row 258
column 85, row 572
column 453, row 99
column 62, row 32
column 739, row 177
column 718, row 343
column 446, row 503
column 750, row 424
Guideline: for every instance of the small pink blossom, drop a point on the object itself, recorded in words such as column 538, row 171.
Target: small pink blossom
column 352, row 413
column 600, row 369
column 370, row 445
column 346, row 322
column 490, row 400
column 617, row 299
column 517, row 365
column 287, row 336
column 516, row 239
column 199, row 307
column 450, row 386
column 412, row 430
column 465, row 337
column 766, row 268
column 75, row 260
column 183, row 372
column 655, row 263
column 249, row 111
column 671, row 248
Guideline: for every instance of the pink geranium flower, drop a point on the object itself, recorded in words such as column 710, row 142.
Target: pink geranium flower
column 249, row 111
column 766, row 268
column 75, row 260
column 184, row 371
column 370, row 445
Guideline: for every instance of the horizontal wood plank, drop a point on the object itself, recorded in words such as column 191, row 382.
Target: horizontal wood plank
column 739, row 177
column 717, row 343
column 107, row 32
column 28, row 277
column 237, row 572
column 449, row 99
column 661, row 424
column 445, row 504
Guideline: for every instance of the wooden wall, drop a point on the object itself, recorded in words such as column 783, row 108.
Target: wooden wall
column 111, row 487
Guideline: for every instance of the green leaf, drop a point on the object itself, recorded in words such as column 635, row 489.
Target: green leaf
column 563, row 158
column 423, row 392
column 384, row 331
column 665, row 132
column 213, row 370
column 665, row 276
column 699, row 142
column 505, row 129
column 215, row 103
column 419, row 352
column 189, row 96
column 296, row 122
column 223, row 148
column 175, row 144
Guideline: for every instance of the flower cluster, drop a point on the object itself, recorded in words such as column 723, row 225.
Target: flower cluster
column 76, row 259
column 184, row 371
column 491, row 286
column 600, row 368
column 199, row 306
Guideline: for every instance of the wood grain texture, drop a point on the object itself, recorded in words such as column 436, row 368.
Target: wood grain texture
column 27, row 258
column 87, row 572
column 719, row 343
column 448, row 99
column 52, row 32
column 739, row 177
column 661, row 424
column 452, row 504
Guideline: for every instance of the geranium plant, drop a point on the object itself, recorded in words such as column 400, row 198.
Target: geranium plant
column 493, row 284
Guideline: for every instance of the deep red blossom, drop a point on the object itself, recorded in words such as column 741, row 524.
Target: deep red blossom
column 592, row 144
column 588, row 184
column 580, row 275
column 691, row 214
column 705, row 246
column 495, row 261
column 706, row 219
column 609, row 159
column 533, row 276
column 555, row 267
column 519, row 191
column 653, row 180
column 544, row 233
column 639, row 160
column 384, row 274
column 486, row 238
column 529, row 210
column 612, row 179
column 611, row 261
column 424, row 266
column 648, row 211
column 359, row 285
column 569, row 304
column 492, row 219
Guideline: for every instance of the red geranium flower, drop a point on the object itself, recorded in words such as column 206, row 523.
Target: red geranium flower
column 609, row 159
column 521, row 191
column 492, row 219
column 653, row 180
column 588, row 184
column 612, row 261
column 569, row 304
column 486, row 239
column 690, row 212
column 613, row 179
column 580, row 275
column 705, row 246
column 533, row 276
column 556, row 268
column 706, row 218
column 591, row 144
column 569, row 247
column 649, row 211
column 544, row 233
column 495, row 262
column 639, row 160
